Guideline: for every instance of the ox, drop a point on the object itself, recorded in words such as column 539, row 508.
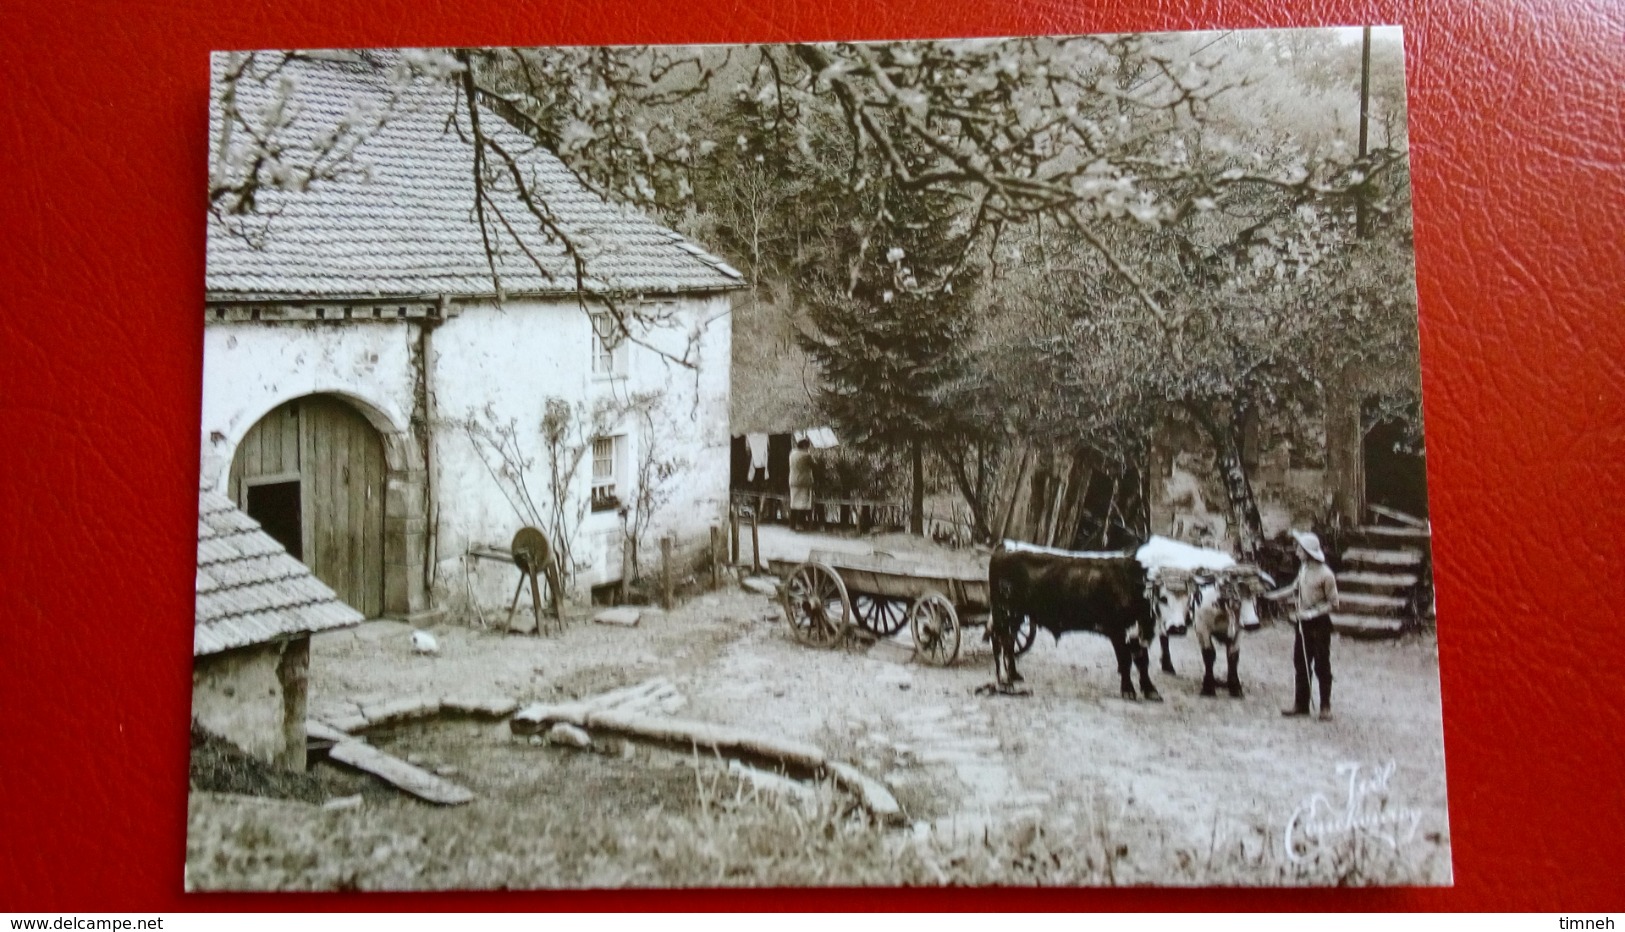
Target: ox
column 1217, row 605
column 1185, row 579
column 1107, row 593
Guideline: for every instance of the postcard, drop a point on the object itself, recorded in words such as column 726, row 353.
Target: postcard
column 920, row 463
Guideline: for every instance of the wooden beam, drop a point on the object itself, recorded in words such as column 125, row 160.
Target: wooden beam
column 420, row 783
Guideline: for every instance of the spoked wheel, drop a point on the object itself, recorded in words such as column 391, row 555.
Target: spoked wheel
column 816, row 604
column 882, row 616
column 1026, row 633
column 935, row 627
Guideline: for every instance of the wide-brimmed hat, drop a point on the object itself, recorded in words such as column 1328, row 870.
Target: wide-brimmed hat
column 1311, row 545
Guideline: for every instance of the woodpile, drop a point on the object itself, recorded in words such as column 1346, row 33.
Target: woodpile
column 1040, row 496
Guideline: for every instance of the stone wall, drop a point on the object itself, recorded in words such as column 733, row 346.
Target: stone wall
column 255, row 698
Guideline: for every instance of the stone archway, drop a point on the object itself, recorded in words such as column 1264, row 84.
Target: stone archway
column 340, row 494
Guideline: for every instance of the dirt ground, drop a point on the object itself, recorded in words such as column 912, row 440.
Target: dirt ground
column 1186, row 779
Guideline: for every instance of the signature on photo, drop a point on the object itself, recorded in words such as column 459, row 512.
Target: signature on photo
column 1366, row 806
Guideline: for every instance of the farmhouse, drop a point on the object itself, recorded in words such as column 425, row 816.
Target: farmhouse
column 387, row 387
column 256, row 610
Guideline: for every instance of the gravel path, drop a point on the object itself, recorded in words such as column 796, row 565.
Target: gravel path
column 1205, row 774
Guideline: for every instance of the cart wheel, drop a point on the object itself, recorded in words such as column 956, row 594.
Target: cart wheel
column 816, row 604
column 1026, row 634
column 935, row 627
column 885, row 617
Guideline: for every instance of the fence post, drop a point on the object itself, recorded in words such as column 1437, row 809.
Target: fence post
column 756, row 538
column 716, row 557
column 555, row 589
column 626, row 568
column 665, row 573
column 733, row 534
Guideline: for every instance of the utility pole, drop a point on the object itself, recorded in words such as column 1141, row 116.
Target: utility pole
column 1365, row 119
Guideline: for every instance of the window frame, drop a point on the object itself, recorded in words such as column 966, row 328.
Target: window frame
column 612, row 501
column 608, row 354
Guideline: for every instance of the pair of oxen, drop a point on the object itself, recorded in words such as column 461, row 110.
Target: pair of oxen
column 1160, row 589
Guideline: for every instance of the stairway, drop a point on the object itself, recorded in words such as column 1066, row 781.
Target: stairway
column 1381, row 568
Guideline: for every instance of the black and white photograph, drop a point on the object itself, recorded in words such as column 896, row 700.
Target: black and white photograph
column 981, row 462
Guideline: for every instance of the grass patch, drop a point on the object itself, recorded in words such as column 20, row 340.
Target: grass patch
column 553, row 818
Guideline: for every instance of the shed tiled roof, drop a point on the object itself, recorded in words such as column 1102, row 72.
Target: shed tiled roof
column 403, row 223
column 249, row 590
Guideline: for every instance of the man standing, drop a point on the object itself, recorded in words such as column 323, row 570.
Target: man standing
column 801, row 484
column 1314, row 596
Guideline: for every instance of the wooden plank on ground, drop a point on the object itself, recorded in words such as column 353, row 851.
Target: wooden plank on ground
column 400, row 710
column 537, row 717
column 624, row 617
column 650, row 694
column 350, row 723
column 773, row 783
column 321, row 731
column 874, row 795
column 641, row 698
column 722, row 739
column 393, row 770
column 491, row 706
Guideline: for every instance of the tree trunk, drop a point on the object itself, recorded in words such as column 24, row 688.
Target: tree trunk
column 1226, row 439
column 973, row 492
column 916, row 518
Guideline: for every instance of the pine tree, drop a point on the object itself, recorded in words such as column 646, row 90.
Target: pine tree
column 890, row 307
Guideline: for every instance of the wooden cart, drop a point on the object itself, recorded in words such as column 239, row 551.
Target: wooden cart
column 833, row 594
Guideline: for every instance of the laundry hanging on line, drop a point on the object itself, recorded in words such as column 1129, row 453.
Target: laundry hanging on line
column 758, row 453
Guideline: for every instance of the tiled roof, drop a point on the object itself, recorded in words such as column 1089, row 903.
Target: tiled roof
column 249, row 590
column 403, row 225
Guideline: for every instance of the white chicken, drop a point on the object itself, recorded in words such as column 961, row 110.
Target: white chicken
column 424, row 643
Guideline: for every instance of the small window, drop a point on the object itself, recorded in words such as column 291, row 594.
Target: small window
column 605, row 460
column 608, row 347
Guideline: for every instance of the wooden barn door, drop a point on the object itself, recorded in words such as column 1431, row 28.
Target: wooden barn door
column 312, row 473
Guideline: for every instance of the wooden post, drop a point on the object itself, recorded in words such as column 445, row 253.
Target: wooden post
column 514, row 605
column 733, row 535
column 292, row 673
column 626, row 566
column 716, row 557
column 756, row 539
column 665, row 573
column 536, row 598
column 555, row 592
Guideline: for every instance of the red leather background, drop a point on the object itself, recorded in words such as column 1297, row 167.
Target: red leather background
column 1518, row 125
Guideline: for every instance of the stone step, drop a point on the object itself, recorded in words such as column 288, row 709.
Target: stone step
column 1376, row 581
column 1366, row 625
column 1390, row 532
column 1394, row 514
column 1365, row 603
column 1370, row 556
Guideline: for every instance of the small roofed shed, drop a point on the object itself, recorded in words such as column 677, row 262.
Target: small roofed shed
column 256, row 610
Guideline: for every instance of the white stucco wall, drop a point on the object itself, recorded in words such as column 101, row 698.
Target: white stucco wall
column 496, row 366
column 238, row 696
column 251, row 367
column 499, row 366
